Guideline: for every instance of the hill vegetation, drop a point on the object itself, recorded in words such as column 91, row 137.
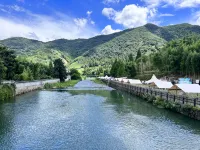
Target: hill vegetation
column 89, row 55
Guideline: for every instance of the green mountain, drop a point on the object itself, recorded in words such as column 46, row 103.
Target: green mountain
column 103, row 49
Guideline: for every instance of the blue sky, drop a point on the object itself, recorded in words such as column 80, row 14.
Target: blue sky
column 47, row 20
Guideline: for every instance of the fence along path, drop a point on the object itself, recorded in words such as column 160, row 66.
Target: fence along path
column 134, row 89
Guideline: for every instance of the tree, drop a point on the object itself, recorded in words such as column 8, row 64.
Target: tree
column 138, row 55
column 60, row 70
column 2, row 71
column 9, row 62
column 75, row 75
column 130, row 70
column 35, row 71
column 130, row 57
column 117, row 69
column 27, row 75
column 50, row 73
column 113, row 71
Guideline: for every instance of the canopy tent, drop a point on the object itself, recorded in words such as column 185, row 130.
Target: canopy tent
column 153, row 79
column 187, row 88
column 162, row 84
column 125, row 80
column 119, row 79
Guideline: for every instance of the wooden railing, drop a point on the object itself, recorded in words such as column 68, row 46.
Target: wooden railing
column 134, row 89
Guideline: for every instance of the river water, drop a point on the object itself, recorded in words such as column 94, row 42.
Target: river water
column 92, row 117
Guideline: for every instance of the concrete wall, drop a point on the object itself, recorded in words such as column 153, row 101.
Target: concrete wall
column 24, row 87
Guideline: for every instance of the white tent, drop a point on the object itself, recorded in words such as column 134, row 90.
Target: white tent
column 153, row 79
column 162, row 84
column 125, row 80
column 134, row 81
column 187, row 88
column 120, row 79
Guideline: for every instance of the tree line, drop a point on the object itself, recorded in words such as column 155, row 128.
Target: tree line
column 13, row 68
column 178, row 57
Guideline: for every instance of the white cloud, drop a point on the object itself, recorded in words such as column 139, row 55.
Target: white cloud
column 166, row 15
column 89, row 13
column 109, row 12
column 108, row 30
column 45, row 28
column 110, row 1
column 80, row 22
column 131, row 15
column 196, row 18
column 92, row 22
column 174, row 3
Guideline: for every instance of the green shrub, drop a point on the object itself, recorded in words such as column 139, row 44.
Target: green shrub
column 7, row 93
column 159, row 102
column 151, row 99
column 168, row 105
column 48, row 86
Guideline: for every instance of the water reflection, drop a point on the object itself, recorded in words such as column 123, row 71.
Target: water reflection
column 93, row 119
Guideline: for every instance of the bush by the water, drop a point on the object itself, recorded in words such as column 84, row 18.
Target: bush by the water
column 75, row 75
column 7, row 92
column 61, row 85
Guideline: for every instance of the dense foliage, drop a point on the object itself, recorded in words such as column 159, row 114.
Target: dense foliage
column 7, row 92
column 12, row 68
column 100, row 50
column 179, row 57
column 120, row 69
column 60, row 70
column 75, row 75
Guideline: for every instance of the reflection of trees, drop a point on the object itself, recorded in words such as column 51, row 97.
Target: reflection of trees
column 5, row 124
column 124, row 103
column 103, row 93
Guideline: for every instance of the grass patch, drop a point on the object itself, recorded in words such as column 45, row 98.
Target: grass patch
column 97, row 81
column 61, row 85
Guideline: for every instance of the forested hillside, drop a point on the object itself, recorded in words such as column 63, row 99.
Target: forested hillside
column 100, row 50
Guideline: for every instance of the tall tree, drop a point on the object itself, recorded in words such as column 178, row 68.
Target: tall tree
column 130, row 70
column 2, row 70
column 139, row 54
column 9, row 61
column 50, row 73
column 60, row 70
column 130, row 57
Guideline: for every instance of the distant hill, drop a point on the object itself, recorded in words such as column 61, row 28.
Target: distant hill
column 101, row 49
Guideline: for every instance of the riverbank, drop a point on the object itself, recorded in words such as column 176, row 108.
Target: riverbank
column 184, row 105
column 98, row 81
column 61, row 85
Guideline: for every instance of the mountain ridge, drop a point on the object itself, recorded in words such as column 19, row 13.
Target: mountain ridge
column 102, row 48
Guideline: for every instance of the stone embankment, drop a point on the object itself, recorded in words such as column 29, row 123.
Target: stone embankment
column 25, row 87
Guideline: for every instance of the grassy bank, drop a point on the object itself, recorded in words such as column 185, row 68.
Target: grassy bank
column 97, row 81
column 7, row 92
column 61, row 85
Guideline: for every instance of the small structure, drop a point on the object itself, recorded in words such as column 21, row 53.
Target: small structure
column 184, row 81
column 187, row 88
column 162, row 84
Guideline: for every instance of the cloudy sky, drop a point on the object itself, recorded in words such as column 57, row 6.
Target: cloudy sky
column 47, row 20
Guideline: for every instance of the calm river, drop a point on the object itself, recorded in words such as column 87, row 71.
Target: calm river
column 89, row 117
